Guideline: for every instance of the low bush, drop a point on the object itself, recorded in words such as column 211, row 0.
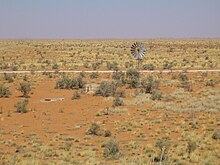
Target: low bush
column 94, row 129
column 8, row 78
column 111, row 149
column 156, row 95
column 148, row 67
column 210, row 83
column 149, row 84
column 21, row 107
column 68, row 83
column 118, row 75
column 25, row 88
column 191, row 146
column 4, row 92
column 117, row 102
column 164, row 148
column 106, row 89
column 94, row 75
column 112, row 66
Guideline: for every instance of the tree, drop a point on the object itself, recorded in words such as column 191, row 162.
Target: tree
column 25, row 88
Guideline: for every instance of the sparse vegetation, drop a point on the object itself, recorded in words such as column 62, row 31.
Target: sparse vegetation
column 4, row 92
column 94, row 129
column 117, row 102
column 149, row 84
column 25, row 88
column 161, row 111
column 68, row 83
column 21, row 107
column 106, row 89
column 111, row 149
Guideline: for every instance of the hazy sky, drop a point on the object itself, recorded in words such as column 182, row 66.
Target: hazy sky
column 109, row 18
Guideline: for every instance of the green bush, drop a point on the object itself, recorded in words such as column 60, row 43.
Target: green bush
column 25, row 88
column 118, row 75
column 148, row 67
column 106, row 89
column 117, row 102
column 4, row 92
column 132, row 73
column 164, row 148
column 94, row 129
column 68, row 83
column 95, row 65
column 149, row 84
column 55, row 66
column 112, row 66
column 156, row 95
column 191, row 146
column 133, row 83
column 111, row 149
column 133, row 78
column 8, row 78
column 94, row 75
column 21, row 106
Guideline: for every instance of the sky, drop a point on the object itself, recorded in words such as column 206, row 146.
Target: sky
column 79, row 19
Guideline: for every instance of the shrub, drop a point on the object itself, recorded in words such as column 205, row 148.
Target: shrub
column 4, row 92
column 82, row 74
column 112, row 66
column 191, row 146
column 167, row 65
column 25, row 88
column 8, row 78
column 107, row 133
column 95, row 65
column 132, row 73
column 76, row 95
column 183, row 77
column 210, row 83
column 118, row 75
column 186, row 85
column 86, row 65
column 117, row 102
column 133, row 83
column 148, row 67
column 149, row 84
column 156, row 95
column 111, row 149
column 128, row 64
column 55, row 66
column 94, row 129
column 21, row 106
column 164, row 148
column 216, row 135
column 133, row 77
column 68, row 83
column 106, row 89
column 94, row 75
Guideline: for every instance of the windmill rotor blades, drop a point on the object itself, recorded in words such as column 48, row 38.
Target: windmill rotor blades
column 138, row 50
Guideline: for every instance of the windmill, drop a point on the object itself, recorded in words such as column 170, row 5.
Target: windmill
column 138, row 51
